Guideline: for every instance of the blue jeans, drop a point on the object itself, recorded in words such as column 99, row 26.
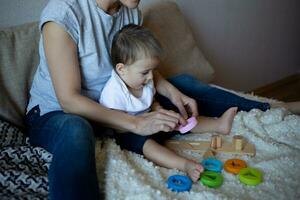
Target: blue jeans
column 70, row 139
column 212, row 102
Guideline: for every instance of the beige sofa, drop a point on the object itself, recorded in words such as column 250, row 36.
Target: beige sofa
column 18, row 62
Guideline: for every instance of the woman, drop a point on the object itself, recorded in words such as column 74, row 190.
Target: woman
column 74, row 65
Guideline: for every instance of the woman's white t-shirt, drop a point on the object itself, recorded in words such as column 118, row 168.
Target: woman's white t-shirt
column 92, row 31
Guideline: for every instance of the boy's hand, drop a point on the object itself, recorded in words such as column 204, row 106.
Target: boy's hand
column 186, row 105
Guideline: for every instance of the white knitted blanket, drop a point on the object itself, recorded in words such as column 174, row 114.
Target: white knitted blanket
column 275, row 134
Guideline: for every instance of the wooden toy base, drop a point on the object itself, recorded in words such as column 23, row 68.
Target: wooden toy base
column 248, row 149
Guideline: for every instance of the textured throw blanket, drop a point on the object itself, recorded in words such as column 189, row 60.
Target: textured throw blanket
column 275, row 133
column 23, row 168
column 125, row 175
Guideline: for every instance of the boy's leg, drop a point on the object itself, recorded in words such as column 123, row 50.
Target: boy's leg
column 70, row 139
column 165, row 157
column 151, row 148
column 212, row 102
column 221, row 125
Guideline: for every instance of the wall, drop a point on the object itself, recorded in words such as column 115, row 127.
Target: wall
column 15, row 12
column 249, row 43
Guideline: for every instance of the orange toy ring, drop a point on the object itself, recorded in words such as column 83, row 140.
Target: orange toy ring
column 234, row 165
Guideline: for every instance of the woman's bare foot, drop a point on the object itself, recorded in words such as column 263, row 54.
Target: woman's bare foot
column 294, row 107
column 226, row 120
column 193, row 169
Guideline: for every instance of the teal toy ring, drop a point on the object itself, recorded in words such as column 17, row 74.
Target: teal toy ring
column 179, row 183
column 250, row 176
column 211, row 179
column 212, row 164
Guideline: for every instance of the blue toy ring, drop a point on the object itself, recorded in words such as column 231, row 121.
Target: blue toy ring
column 179, row 183
column 212, row 164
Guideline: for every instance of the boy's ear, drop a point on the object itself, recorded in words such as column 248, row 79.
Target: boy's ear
column 120, row 68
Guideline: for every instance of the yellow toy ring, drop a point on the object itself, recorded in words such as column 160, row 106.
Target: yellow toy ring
column 234, row 165
column 250, row 176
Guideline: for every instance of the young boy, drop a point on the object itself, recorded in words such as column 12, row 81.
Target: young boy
column 136, row 54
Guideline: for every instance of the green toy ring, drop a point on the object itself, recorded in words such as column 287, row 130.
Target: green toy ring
column 250, row 176
column 211, row 179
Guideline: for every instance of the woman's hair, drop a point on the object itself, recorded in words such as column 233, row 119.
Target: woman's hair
column 134, row 42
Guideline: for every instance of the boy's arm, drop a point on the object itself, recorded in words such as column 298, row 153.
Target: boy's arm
column 181, row 101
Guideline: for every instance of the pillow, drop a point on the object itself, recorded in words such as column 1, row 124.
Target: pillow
column 18, row 61
column 182, row 55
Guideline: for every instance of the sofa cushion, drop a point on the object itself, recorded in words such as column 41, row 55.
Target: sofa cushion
column 18, row 61
column 181, row 52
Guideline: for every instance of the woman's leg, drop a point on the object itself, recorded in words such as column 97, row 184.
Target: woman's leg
column 212, row 102
column 70, row 139
column 294, row 107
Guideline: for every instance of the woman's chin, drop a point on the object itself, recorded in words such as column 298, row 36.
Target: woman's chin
column 132, row 3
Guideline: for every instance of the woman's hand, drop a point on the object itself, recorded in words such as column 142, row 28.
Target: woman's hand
column 154, row 122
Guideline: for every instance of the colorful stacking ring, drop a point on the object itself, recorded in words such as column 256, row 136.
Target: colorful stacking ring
column 211, row 179
column 191, row 123
column 179, row 183
column 212, row 164
column 234, row 165
column 250, row 176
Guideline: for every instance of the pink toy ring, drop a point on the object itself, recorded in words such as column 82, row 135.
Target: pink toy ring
column 191, row 123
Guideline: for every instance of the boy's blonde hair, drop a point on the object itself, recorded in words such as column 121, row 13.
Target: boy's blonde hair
column 134, row 42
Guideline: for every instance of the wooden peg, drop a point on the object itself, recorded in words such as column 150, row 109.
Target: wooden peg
column 213, row 142
column 238, row 141
column 219, row 141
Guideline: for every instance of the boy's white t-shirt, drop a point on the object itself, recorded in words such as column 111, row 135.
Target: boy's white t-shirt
column 92, row 31
column 115, row 95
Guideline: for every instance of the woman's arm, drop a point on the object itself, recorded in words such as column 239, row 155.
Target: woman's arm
column 61, row 53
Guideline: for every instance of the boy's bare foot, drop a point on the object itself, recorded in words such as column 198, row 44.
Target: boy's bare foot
column 193, row 169
column 226, row 120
